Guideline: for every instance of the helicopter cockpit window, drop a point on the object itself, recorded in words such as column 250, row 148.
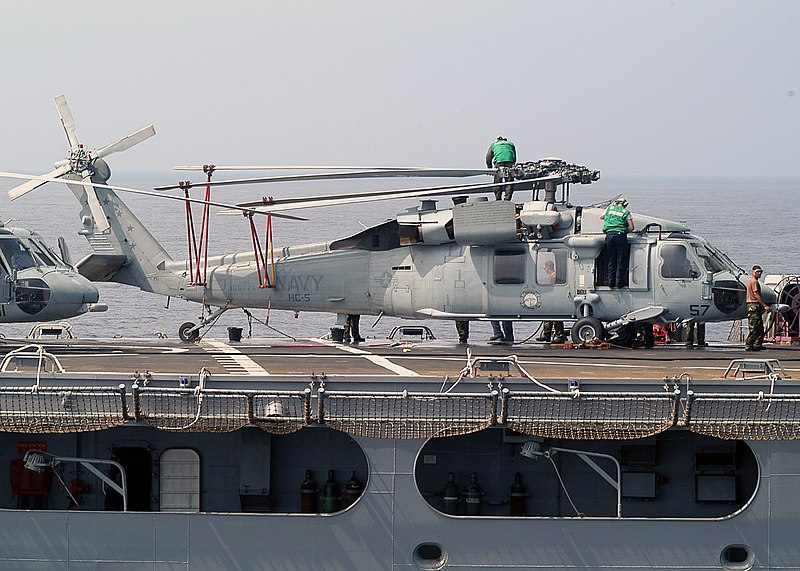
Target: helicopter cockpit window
column 551, row 267
column 16, row 255
column 711, row 263
column 509, row 266
column 676, row 262
column 42, row 253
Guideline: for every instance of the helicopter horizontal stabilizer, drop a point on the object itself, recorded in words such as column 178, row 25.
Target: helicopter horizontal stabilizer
column 101, row 267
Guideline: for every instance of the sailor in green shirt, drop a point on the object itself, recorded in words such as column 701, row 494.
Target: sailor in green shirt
column 617, row 222
column 502, row 153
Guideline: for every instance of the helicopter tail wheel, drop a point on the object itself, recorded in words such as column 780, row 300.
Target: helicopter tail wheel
column 587, row 329
column 187, row 333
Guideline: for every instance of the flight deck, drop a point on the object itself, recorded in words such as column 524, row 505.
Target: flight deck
column 313, row 358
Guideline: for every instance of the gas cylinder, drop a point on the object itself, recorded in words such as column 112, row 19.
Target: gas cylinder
column 330, row 495
column 516, row 498
column 450, row 495
column 352, row 491
column 308, row 495
column 474, row 494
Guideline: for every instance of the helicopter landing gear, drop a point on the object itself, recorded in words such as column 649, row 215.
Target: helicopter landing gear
column 189, row 332
column 587, row 329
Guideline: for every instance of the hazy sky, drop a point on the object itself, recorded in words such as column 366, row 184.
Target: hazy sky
column 627, row 87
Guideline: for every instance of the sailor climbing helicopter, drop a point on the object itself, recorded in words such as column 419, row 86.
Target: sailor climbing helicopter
column 476, row 260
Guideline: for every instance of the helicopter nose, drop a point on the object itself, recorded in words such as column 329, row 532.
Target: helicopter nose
column 73, row 289
column 769, row 295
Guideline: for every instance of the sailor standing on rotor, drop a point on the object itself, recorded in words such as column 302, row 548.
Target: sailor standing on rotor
column 502, row 154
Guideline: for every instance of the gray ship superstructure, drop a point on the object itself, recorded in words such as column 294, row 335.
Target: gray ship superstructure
column 499, row 464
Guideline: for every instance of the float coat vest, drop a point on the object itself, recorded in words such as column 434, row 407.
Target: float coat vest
column 616, row 219
column 504, row 152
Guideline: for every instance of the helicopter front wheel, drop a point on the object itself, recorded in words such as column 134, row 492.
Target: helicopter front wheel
column 188, row 332
column 587, row 329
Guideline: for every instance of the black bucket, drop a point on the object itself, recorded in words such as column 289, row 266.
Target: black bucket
column 337, row 334
column 235, row 334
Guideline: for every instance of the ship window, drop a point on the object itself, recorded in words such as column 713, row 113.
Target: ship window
column 551, row 267
column 676, row 263
column 509, row 266
column 430, row 556
column 180, row 480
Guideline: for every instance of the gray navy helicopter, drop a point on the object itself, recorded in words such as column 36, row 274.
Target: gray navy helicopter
column 476, row 260
column 38, row 285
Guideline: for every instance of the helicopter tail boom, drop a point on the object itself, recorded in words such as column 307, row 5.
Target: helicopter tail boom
column 125, row 251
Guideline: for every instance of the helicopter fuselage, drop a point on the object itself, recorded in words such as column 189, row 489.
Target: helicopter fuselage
column 36, row 285
column 490, row 271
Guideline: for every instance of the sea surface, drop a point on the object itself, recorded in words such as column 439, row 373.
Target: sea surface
column 754, row 220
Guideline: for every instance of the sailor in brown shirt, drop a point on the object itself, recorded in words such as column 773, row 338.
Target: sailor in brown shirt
column 756, row 306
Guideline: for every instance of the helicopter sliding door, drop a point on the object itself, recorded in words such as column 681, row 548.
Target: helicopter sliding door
column 679, row 275
column 637, row 277
column 553, row 273
column 639, row 266
column 508, row 276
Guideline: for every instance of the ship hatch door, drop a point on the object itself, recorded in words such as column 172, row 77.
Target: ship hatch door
column 138, row 465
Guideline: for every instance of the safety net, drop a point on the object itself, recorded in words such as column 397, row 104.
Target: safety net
column 45, row 410
column 745, row 416
column 589, row 416
column 406, row 415
column 208, row 410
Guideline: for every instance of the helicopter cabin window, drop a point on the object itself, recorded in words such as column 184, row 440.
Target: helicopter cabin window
column 16, row 255
column 676, row 262
column 551, row 267
column 509, row 266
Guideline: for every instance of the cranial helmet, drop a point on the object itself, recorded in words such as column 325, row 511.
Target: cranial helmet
column 620, row 200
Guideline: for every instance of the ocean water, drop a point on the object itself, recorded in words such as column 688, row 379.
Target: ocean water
column 753, row 220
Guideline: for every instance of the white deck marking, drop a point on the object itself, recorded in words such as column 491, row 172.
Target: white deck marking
column 233, row 360
column 374, row 359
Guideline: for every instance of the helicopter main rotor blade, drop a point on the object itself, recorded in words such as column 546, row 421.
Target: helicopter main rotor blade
column 127, row 142
column 67, row 121
column 375, row 173
column 100, row 220
column 280, row 204
column 26, row 187
column 243, row 210
column 291, row 168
